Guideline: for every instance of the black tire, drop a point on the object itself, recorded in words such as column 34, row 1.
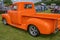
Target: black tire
column 33, row 31
column 4, row 21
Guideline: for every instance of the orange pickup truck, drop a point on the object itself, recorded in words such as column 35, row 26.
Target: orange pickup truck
column 24, row 16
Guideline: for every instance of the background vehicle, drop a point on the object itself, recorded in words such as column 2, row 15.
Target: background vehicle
column 56, row 10
column 3, row 8
column 23, row 15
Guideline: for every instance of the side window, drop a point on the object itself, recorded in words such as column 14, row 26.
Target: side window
column 14, row 7
column 26, row 6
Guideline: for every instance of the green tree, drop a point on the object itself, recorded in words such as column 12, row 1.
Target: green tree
column 8, row 2
column 49, row 2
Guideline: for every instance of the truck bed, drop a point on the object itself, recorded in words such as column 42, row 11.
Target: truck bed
column 44, row 15
column 48, row 15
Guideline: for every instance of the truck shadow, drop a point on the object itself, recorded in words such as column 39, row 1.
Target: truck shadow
column 41, row 35
column 48, row 36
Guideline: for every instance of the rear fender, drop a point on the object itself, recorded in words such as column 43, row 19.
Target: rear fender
column 43, row 26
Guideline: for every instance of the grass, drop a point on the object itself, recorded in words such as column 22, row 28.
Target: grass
column 10, row 33
column 48, row 11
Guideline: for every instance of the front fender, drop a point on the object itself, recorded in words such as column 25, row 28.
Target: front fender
column 7, row 17
column 43, row 27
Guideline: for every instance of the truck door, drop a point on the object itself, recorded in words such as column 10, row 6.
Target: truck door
column 13, row 14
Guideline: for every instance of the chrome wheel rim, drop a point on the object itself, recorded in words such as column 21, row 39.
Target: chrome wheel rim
column 4, row 21
column 33, row 30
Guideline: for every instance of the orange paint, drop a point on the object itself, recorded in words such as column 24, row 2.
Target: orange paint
column 21, row 18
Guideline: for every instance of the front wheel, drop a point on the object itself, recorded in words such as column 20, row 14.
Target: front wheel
column 33, row 30
column 4, row 21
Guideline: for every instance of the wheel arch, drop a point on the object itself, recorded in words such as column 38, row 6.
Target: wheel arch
column 7, row 18
column 40, row 25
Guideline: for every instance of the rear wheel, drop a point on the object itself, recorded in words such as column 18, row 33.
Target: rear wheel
column 33, row 30
column 4, row 21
